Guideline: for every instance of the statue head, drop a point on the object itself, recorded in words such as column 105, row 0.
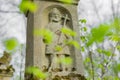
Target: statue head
column 55, row 15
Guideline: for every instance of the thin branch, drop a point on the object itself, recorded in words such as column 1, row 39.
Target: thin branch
column 92, row 64
column 118, row 5
column 112, row 8
column 109, row 60
column 1, row 11
column 22, row 60
column 96, row 10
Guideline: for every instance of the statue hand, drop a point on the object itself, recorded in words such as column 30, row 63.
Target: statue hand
column 58, row 32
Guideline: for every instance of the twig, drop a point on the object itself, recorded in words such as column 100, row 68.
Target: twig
column 113, row 10
column 92, row 65
column 10, row 11
column 96, row 10
column 110, row 59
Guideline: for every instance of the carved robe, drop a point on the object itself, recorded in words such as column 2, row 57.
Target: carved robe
column 58, row 40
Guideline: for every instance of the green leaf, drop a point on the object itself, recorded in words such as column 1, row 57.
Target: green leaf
column 116, row 78
column 27, row 5
column 83, row 20
column 36, row 72
column 99, row 50
column 107, row 53
column 11, row 44
column 68, row 31
column 66, row 1
column 46, row 34
column 102, row 51
column 118, row 47
column 118, row 67
column 98, row 34
column 110, row 33
column 87, row 59
column 116, row 25
column 58, row 48
column 90, row 41
column 84, row 29
column 66, row 61
column 100, row 66
column 83, row 38
column 115, row 38
column 82, row 49
column 72, row 43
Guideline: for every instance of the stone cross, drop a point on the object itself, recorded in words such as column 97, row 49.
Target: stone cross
column 65, row 19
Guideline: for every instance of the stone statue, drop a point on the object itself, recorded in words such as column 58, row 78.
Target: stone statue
column 56, row 22
column 5, row 67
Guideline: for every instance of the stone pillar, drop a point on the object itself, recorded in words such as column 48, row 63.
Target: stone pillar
column 36, row 49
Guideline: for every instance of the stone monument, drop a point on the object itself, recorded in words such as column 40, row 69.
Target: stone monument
column 54, row 15
column 6, row 70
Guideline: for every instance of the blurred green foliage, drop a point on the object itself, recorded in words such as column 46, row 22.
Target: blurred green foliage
column 100, row 62
column 27, row 5
column 98, row 34
column 11, row 44
column 82, row 20
column 66, row 61
column 36, row 72
column 95, row 62
column 58, row 48
column 115, row 30
column 68, row 31
column 66, row 1
column 46, row 34
column 72, row 43
column 106, row 52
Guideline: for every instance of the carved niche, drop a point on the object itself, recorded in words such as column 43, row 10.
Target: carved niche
column 56, row 18
column 53, row 16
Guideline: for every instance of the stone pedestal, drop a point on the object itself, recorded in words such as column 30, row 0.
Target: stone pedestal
column 6, row 70
column 66, row 76
column 5, row 77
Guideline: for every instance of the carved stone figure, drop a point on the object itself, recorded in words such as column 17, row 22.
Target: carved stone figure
column 5, row 67
column 53, row 16
column 56, row 22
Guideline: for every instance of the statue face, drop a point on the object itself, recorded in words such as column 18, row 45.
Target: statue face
column 55, row 17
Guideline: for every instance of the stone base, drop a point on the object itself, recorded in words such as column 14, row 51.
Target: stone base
column 5, row 77
column 59, row 76
column 66, row 76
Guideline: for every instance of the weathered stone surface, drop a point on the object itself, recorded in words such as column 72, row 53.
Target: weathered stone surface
column 6, row 70
column 5, row 67
column 43, row 56
column 60, row 76
column 56, row 23
column 3, row 77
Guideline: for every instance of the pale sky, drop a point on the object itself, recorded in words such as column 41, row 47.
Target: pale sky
column 97, row 11
column 13, row 24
